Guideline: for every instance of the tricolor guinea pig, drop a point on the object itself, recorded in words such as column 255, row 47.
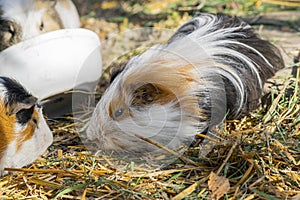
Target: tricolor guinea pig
column 213, row 67
column 24, row 19
column 24, row 133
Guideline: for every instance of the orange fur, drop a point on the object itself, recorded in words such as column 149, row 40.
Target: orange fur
column 117, row 104
column 7, row 128
column 161, row 77
column 161, row 86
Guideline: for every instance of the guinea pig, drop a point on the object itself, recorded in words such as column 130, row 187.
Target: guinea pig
column 24, row 19
column 213, row 67
column 24, row 133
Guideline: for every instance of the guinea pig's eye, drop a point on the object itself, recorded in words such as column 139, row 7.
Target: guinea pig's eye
column 118, row 112
column 34, row 120
column 24, row 115
column 42, row 26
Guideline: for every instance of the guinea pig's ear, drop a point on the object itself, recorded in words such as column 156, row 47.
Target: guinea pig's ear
column 25, row 104
column 148, row 93
column 115, row 71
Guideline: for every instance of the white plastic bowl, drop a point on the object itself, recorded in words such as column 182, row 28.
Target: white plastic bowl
column 53, row 63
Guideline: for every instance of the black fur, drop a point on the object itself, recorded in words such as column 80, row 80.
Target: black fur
column 253, row 90
column 16, row 93
column 269, row 51
column 114, row 74
column 24, row 115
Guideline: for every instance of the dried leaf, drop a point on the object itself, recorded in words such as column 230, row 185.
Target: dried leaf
column 219, row 185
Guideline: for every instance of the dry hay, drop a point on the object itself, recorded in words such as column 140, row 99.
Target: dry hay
column 258, row 154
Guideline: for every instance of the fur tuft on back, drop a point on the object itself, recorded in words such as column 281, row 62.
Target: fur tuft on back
column 243, row 60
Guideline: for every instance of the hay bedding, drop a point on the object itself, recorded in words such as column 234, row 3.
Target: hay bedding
column 256, row 157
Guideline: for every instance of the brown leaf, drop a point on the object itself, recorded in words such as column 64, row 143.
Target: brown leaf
column 219, row 185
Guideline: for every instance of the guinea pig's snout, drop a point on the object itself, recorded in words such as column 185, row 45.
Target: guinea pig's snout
column 44, row 130
column 90, row 132
column 94, row 135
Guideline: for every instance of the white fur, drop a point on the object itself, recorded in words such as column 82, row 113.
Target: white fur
column 161, row 123
column 2, row 91
column 69, row 17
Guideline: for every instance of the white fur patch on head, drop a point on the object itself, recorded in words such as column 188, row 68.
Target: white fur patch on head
column 3, row 90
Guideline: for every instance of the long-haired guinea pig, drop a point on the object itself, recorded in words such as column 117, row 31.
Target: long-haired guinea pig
column 24, row 19
column 24, row 133
column 213, row 67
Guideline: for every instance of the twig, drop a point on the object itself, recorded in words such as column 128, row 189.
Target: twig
column 165, row 172
column 227, row 157
column 190, row 189
column 246, row 175
column 45, row 183
column 275, row 103
column 184, row 159
column 58, row 171
column 207, row 137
